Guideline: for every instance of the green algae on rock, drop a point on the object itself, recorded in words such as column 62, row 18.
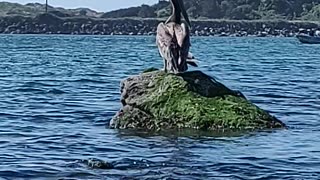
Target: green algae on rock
column 156, row 101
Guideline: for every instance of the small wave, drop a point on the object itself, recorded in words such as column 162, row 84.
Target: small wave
column 40, row 91
column 90, row 81
column 276, row 96
column 96, row 75
column 55, row 91
column 33, row 90
column 36, row 84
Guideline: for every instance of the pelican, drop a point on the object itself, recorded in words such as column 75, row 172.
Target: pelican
column 173, row 40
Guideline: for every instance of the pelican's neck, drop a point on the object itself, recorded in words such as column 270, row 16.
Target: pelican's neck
column 176, row 14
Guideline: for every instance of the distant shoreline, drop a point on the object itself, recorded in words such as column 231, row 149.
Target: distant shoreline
column 51, row 24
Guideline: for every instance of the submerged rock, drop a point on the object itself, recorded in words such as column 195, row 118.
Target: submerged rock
column 156, row 101
column 98, row 164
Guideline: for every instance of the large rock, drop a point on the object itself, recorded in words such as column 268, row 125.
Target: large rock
column 157, row 101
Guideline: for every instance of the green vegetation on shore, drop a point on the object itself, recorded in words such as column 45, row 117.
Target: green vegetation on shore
column 143, row 20
column 34, row 9
column 231, row 9
column 204, row 9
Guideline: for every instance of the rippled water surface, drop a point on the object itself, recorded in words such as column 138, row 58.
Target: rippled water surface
column 58, row 92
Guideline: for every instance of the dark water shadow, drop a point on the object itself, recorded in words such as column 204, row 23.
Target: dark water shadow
column 191, row 133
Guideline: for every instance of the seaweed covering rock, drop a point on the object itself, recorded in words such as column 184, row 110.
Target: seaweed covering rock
column 157, row 101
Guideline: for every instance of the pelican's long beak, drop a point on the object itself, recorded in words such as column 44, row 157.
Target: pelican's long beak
column 184, row 12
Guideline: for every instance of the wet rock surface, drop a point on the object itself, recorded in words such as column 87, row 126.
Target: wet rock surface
column 158, row 101
column 97, row 164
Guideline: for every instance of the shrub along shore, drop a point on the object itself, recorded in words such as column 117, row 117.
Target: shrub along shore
column 51, row 24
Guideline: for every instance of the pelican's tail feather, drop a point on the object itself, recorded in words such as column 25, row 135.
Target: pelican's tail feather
column 192, row 63
column 191, row 60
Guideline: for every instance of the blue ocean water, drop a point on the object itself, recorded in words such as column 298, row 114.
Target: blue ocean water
column 57, row 93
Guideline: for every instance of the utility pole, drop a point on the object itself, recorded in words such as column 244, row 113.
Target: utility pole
column 46, row 6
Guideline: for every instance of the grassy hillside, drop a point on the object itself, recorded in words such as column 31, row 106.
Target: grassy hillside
column 34, row 9
column 231, row 9
column 197, row 9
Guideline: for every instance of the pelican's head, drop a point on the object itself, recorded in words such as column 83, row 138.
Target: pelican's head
column 178, row 7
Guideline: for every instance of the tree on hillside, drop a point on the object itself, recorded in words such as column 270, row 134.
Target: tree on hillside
column 46, row 6
column 146, row 11
column 210, row 9
column 281, row 8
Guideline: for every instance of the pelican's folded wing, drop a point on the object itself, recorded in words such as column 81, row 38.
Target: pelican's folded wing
column 183, row 39
column 183, row 36
column 167, row 45
column 163, row 39
column 163, row 35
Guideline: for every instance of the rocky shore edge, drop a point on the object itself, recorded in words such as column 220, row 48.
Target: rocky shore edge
column 52, row 24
